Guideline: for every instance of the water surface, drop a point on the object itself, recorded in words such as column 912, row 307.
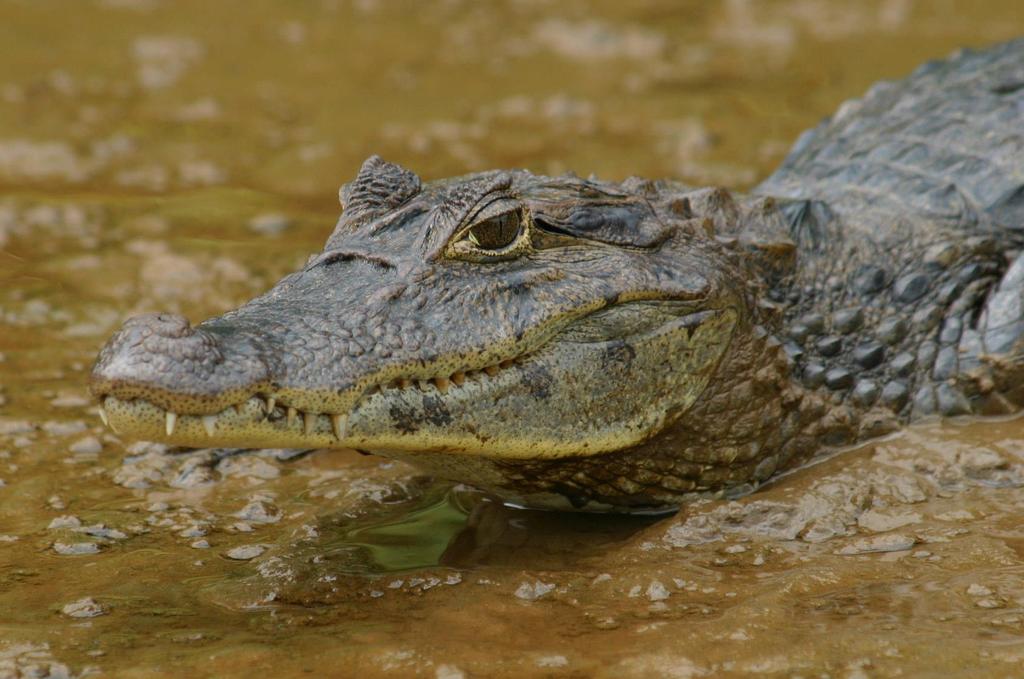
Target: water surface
column 183, row 156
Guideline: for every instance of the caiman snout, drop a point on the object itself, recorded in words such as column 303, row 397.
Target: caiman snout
column 162, row 359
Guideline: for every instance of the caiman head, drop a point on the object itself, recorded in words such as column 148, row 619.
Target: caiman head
column 502, row 315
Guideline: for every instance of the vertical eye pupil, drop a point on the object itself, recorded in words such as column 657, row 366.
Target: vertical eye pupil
column 496, row 232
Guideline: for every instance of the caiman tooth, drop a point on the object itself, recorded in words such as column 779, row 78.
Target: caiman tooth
column 507, row 363
column 170, row 419
column 442, row 384
column 292, row 414
column 458, row 378
column 106, row 419
column 491, row 370
column 308, row 422
column 339, row 424
column 403, row 383
column 239, row 407
column 210, row 424
column 271, row 402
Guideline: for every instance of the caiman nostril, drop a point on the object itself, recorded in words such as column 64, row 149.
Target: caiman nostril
column 160, row 357
column 171, row 326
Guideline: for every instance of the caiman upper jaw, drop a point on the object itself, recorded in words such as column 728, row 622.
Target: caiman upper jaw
column 162, row 359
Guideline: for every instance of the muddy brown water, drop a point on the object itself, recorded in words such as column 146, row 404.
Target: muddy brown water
column 184, row 155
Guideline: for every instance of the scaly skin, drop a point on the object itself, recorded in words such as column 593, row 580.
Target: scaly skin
column 581, row 344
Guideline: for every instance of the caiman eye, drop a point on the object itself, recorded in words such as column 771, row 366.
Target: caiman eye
column 498, row 236
column 498, row 232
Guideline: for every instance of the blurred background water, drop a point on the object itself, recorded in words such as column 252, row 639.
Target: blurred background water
column 184, row 155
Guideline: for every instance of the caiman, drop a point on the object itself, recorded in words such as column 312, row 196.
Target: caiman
column 583, row 344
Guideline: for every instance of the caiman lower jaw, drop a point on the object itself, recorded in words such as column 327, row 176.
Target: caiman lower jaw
column 247, row 424
column 262, row 420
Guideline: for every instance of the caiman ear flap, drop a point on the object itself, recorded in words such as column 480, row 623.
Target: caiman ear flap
column 379, row 187
column 598, row 212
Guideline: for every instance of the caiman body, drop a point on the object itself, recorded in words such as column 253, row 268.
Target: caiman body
column 623, row 346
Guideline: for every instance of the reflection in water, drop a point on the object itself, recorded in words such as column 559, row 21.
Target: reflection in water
column 499, row 536
column 410, row 536
column 460, row 528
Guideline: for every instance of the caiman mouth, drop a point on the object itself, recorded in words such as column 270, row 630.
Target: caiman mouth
column 273, row 415
column 601, row 381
